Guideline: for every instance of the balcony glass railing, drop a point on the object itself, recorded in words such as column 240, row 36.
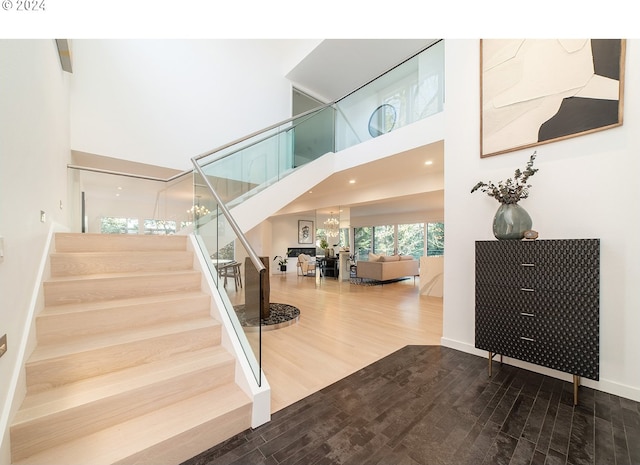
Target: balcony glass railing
column 110, row 202
column 412, row 91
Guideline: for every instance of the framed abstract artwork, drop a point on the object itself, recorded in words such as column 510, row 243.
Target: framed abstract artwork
column 305, row 232
column 536, row 91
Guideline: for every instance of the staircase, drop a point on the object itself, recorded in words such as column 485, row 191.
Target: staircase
column 128, row 367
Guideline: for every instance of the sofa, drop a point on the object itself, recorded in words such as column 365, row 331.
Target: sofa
column 387, row 267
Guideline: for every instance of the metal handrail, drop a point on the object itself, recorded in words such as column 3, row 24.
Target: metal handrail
column 258, row 132
column 240, row 235
column 130, row 175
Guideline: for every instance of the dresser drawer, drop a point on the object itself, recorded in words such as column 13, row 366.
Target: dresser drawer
column 565, row 253
column 554, row 304
column 532, row 276
column 514, row 335
column 540, row 340
column 513, row 325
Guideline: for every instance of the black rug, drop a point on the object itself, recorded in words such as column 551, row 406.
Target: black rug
column 280, row 315
column 373, row 282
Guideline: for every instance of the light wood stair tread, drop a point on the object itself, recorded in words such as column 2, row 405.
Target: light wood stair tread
column 128, row 275
column 50, row 351
column 111, row 384
column 116, row 443
column 120, row 253
column 80, row 307
column 82, row 263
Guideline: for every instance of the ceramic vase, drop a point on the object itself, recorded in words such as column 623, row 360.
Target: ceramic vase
column 510, row 222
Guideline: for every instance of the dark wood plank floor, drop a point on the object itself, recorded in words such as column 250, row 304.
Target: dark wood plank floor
column 434, row 405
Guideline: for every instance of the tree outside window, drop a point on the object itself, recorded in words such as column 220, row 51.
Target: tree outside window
column 405, row 239
column 435, row 239
column 111, row 225
column 362, row 240
column 384, row 240
column 411, row 239
column 159, row 227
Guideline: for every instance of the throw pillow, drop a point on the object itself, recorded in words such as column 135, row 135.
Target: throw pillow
column 373, row 257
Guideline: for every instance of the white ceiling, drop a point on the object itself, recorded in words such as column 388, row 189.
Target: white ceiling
column 337, row 67
column 377, row 185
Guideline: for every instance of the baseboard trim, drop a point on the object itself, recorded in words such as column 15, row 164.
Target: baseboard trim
column 17, row 386
column 604, row 385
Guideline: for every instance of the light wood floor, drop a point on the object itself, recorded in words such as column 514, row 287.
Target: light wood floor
column 342, row 328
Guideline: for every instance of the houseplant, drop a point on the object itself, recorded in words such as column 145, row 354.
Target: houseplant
column 282, row 262
column 511, row 220
column 324, row 245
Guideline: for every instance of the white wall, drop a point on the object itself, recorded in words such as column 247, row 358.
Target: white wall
column 162, row 102
column 34, row 152
column 426, row 216
column 586, row 188
column 285, row 235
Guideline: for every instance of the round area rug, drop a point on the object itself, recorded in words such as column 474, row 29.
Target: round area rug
column 281, row 315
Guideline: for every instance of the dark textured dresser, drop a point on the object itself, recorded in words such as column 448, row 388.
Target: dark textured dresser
column 539, row 301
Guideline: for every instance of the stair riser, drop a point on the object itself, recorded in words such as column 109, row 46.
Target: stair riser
column 46, row 374
column 35, row 436
column 61, row 327
column 78, row 264
column 182, row 447
column 91, row 290
column 69, row 242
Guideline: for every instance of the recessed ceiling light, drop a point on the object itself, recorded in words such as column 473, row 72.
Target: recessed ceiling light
column 352, row 181
column 428, row 162
column 310, row 192
column 119, row 188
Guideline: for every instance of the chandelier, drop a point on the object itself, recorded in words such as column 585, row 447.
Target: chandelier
column 198, row 211
column 332, row 226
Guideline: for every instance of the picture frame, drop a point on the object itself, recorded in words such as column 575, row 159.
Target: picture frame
column 537, row 91
column 305, row 232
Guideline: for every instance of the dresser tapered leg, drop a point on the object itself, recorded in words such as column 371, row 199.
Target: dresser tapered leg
column 491, row 356
column 576, row 383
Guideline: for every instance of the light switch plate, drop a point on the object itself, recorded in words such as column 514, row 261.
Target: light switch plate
column 3, row 345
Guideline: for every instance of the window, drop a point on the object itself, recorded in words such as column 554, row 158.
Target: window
column 384, row 240
column 435, row 239
column 159, row 227
column 405, row 239
column 362, row 240
column 411, row 239
column 228, row 252
column 111, row 225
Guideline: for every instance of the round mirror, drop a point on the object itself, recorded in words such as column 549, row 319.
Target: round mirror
column 382, row 120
